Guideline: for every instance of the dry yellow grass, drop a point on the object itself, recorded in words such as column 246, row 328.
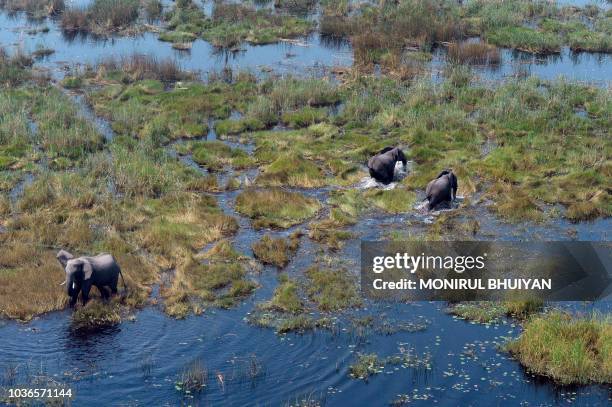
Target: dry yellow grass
column 29, row 282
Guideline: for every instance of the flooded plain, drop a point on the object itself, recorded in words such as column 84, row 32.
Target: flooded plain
column 440, row 359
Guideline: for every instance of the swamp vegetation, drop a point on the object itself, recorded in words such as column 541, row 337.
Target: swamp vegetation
column 193, row 157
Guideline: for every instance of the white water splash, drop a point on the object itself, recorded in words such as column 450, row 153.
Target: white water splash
column 428, row 217
column 399, row 173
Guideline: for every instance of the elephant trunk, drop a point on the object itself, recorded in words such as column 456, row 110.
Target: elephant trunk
column 69, row 284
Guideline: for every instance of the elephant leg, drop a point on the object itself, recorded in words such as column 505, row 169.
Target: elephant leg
column 103, row 292
column 73, row 300
column 85, row 292
column 433, row 202
column 113, row 288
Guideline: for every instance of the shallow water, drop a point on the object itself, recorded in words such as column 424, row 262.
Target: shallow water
column 139, row 362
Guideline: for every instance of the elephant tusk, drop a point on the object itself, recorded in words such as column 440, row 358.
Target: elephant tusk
column 63, row 283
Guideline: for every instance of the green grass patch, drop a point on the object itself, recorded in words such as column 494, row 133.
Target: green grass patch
column 276, row 208
column 277, row 252
column 569, row 350
column 397, row 200
column 525, row 39
column 292, row 170
column 332, row 290
column 96, row 314
column 485, row 312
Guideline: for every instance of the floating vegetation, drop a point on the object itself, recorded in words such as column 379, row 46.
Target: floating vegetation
column 37, row 9
column 486, row 312
column 102, row 16
column 570, row 350
column 193, row 378
column 370, row 364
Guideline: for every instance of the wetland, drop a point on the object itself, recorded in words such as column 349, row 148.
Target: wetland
column 218, row 151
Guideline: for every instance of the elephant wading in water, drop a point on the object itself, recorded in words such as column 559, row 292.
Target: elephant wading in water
column 83, row 272
column 442, row 189
column 382, row 165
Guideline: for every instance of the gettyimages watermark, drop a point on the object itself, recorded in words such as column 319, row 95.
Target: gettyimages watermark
column 474, row 271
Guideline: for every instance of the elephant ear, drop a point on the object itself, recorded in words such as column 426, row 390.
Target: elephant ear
column 87, row 270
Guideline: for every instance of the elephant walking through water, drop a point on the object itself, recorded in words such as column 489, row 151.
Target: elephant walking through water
column 442, row 189
column 382, row 165
column 84, row 272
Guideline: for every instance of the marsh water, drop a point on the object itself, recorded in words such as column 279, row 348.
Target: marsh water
column 444, row 360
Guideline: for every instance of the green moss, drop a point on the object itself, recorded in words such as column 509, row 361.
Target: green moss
column 568, row 350
column 276, row 208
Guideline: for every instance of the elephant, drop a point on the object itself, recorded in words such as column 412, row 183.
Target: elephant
column 82, row 272
column 63, row 256
column 442, row 189
column 382, row 165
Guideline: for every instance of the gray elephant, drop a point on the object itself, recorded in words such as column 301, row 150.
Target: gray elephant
column 382, row 165
column 442, row 189
column 84, row 272
column 63, row 256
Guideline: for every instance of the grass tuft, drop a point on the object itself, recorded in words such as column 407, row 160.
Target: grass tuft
column 275, row 208
column 566, row 349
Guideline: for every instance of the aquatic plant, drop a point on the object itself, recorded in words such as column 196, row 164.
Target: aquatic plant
column 139, row 67
column 332, row 290
column 296, row 6
column 285, row 298
column 276, row 208
column 214, row 155
column 13, row 70
column 95, row 315
column 193, row 378
column 153, row 9
column 276, row 251
column 35, row 8
column 477, row 53
column 292, row 170
column 492, row 311
column 101, row 16
column 232, row 23
column 569, row 350
column 525, row 39
column 365, row 366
